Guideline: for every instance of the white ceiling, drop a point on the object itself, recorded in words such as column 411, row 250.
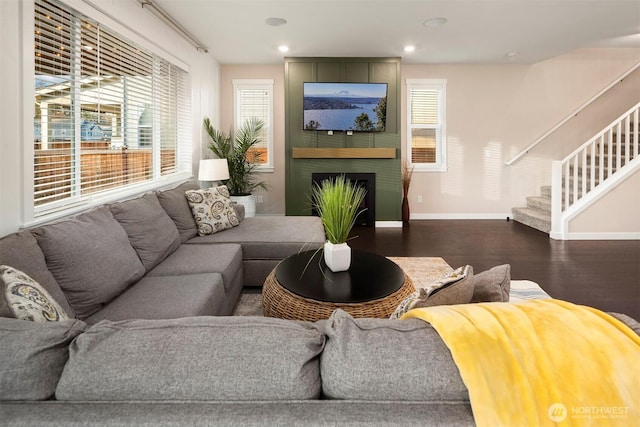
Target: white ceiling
column 477, row 31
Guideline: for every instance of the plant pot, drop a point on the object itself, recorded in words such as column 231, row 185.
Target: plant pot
column 249, row 203
column 337, row 256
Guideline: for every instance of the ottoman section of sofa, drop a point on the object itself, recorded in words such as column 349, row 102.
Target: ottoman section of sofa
column 267, row 240
column 167, row 297
column 225, row 259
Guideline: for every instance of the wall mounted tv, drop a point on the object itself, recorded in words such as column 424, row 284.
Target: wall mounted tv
column 358, row 107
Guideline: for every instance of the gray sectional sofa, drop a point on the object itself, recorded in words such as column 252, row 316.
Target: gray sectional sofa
column 143, row 258
column 148, row 342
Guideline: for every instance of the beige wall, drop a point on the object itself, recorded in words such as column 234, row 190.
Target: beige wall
column 273, row 200
column 602, row 219
column 493, row 111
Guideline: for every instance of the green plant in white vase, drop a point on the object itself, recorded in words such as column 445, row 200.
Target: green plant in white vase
column 238, row 147
column 337, row 201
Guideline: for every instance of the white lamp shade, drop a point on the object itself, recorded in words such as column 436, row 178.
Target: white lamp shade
column 213, row 170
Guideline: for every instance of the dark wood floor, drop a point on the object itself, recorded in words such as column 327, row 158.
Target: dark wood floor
column 601, row 274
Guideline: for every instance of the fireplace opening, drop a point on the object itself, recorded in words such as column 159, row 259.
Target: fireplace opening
column 366, row 180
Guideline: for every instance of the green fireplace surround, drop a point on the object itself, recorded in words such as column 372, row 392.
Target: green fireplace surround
column 342, row 152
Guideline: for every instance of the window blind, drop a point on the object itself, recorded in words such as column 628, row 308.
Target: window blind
column 109, row 114
column 426, row 117
column 255, row 100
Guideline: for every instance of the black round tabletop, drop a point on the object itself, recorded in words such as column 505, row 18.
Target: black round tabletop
column 370, row 277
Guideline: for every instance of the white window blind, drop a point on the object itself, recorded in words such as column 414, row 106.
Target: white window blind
column 254, row 98
column 109, row 115
column 426, row 124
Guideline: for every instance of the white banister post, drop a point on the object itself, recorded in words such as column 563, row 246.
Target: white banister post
column 557, row 225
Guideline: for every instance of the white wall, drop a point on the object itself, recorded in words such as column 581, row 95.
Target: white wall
column 16, row 79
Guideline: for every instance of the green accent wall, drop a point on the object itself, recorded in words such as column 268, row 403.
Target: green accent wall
column 298, row 171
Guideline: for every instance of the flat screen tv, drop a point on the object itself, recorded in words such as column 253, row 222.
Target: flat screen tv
column 358, row 107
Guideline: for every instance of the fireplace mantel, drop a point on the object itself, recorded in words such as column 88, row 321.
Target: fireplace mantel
column 343, row 153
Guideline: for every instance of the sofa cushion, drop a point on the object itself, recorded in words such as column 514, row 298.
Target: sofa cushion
column 174, row 202
column 197, row 259
column 151, row 231
column 492, row 285
column 197, row 358
column 455, row 288
column 23, row 298
column 21, row 251
column 212, row 209
column 166, row 297
column 32, row 356
column 91, row 258
column 271, row 237
column 381, row 359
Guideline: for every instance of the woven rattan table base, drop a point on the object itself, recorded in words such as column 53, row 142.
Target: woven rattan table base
column 279, row 302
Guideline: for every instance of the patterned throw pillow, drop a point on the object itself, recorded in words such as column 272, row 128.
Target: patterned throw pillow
column 23, row 298
column 212, row 209
column 455, row 288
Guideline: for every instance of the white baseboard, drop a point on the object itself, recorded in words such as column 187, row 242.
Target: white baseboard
column 604, row 236
column 388, row 224
column 463, row 216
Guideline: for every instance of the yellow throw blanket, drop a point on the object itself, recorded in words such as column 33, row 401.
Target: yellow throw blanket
column 542, row 362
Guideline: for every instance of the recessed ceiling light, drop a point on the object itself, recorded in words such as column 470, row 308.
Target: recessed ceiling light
column 283, row 48
column 409, row 49
column 275, row 22
column 435, row 22
column 511, row 55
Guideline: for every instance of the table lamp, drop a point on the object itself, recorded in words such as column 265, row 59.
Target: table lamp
column 213, row 170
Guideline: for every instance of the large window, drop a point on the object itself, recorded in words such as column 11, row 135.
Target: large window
column 254, row 98
column 110, row 116
column 426, row 130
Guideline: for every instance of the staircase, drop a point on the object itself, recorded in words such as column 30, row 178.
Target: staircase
column 591, row 170
column 537, row 213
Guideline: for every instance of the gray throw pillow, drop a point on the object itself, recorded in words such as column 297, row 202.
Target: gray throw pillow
column 455, row 288
column 23, row 298
column 91, row 258
column 194, row 358
column 387, row 360
column 21, row 251
column 151, row 231
column 32, row 356
column 492, row 285
column 174, row 202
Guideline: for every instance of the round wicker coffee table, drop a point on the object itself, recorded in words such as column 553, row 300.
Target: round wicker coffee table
column 302, row 287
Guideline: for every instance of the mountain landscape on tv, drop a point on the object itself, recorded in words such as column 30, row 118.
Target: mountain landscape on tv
column 360, row 107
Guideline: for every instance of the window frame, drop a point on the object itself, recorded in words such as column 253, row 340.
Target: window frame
column 439, row 85
column 261, row 84
column 36, row 214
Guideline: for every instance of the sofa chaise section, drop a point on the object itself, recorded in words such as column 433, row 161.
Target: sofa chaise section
column 267, row 240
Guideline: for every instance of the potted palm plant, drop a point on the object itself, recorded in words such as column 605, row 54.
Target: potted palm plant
column 238, row 147
column 337, row 201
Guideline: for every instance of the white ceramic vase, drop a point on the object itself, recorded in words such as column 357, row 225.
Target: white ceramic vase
column 249, row 203
column 337, row 256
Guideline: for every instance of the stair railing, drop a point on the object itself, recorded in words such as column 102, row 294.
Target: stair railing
column 573, row 114
column 592, row 165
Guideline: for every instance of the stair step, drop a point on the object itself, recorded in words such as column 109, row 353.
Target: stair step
column 534, row 218
column 545, row 191
column 539, row 202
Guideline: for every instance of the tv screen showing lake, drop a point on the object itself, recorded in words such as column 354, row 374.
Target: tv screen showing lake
column 345, row 106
